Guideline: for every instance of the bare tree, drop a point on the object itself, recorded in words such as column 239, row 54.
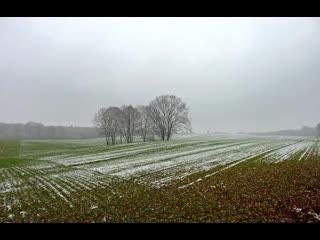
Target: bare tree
column 118, row 114
column 156, row 112
column 101, row 123
column 169, row 114
column 144, row 123
column 129, row 118
column 177, row 116
column 114, row 122
column 107, row 122
column 153, row 131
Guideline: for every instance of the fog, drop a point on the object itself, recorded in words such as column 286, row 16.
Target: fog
column 235, row 74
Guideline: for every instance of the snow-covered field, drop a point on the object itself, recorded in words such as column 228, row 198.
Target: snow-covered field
column 65, row 167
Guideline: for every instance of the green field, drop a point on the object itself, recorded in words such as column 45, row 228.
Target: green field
column 222, row 178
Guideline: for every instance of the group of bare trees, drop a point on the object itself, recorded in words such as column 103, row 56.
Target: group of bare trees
column 165, row 115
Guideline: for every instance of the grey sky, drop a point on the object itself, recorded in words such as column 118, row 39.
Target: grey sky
column 236, row 74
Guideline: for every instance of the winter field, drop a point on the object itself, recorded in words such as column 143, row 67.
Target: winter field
column 199, row 178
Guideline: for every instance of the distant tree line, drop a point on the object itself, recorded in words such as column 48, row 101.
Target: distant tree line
column 34, row 130
column 164, row 116
column 304, row 131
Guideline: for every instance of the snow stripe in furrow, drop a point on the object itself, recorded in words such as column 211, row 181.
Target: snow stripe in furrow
column 29, row 171
column 21, row 171
column 37, row 184
column 93, row 182
column 11, row 189
column 4, row 173
column 106, row 156
column 56, row 183
column 197, row 162
column 11, row 182
column 45, row 182
column 108, row 151
column 82, row 184
column 73, row 185
column 13, row 174
column 312, row 151
column 236, row 163
column 317, row 149
column 89, row 178
column 308, row 150
column 150, row 164
column 78, row 188
column 286, row 152
column 229, row 166
column 63, row 183
column 32, row 171
column 314, row 156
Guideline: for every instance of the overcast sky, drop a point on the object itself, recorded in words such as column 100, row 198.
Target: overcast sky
column 235, row 74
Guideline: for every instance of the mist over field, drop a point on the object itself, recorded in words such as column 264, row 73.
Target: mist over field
column 235, row 74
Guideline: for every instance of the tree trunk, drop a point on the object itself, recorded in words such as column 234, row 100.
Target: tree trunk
column 163, row 135
column 168, row 136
